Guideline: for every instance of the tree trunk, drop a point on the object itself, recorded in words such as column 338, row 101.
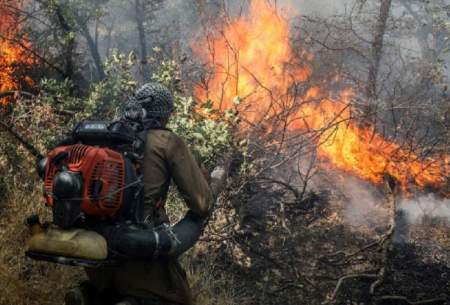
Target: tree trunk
column 93, row 48
column 71, row 43
column 140, row 18
column 377, row 48
column 109, row 40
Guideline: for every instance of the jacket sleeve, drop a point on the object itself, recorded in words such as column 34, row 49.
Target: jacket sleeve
column 188, row 177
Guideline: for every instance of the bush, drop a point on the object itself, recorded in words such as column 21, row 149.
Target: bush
column 198, row 124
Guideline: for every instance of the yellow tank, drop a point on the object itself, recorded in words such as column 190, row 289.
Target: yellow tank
column 77, row 243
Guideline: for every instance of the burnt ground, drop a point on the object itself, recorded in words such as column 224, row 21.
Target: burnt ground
column 282, row 251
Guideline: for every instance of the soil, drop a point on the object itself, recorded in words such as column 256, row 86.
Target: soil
column 283, row 251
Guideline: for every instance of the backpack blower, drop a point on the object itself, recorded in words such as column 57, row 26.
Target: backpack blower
column 91, row 179
column 93, row 184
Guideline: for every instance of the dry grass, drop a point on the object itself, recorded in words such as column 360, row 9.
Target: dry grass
column 23, row 281
column 209, row 285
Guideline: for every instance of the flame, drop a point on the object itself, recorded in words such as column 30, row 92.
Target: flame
column 251, row 58
column 12, row 48
column 366, row 154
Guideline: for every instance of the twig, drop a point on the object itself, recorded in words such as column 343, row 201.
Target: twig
column 64, row 112
column 346, row 256
column 434, row 301
column 282, row 183
column 15, row 92
column 346, row 277
column 287, row 286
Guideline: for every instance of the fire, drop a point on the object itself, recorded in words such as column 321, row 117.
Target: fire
column 250, row 59
column 12, row 53
column 362, row 152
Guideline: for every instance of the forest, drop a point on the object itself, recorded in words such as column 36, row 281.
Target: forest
column 325, row 125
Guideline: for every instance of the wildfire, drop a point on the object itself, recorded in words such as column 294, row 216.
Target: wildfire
column 250, row 59
column 12, row 52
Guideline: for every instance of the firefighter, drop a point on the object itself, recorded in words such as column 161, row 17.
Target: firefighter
column 151, row 273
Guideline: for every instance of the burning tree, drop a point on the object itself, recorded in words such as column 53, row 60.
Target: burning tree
column 13, row 48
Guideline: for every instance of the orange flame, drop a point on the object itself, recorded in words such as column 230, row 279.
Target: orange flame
column 250, row 59
column 12, row 53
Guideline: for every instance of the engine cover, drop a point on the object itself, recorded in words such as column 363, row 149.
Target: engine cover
column 103, row 178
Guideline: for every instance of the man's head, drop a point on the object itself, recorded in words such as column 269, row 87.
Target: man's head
column 150, row 103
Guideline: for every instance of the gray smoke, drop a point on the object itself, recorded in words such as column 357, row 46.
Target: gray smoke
column 364, row 205
column 319, row 8
column 425, row 206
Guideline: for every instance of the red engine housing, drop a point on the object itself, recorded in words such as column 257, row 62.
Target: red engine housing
column 98, row 166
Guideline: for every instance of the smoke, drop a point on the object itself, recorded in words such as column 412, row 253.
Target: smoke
column 363, row 205
column 413, row 211
column 178, row 23
column 418, row 209
column 319, row 8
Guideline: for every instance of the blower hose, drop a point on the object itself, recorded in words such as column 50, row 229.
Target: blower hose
column 165, row 240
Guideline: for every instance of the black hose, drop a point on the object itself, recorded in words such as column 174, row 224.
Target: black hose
column 127, row 242
column 187, row 231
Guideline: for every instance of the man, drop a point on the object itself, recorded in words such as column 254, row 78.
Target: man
column 150, row 273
